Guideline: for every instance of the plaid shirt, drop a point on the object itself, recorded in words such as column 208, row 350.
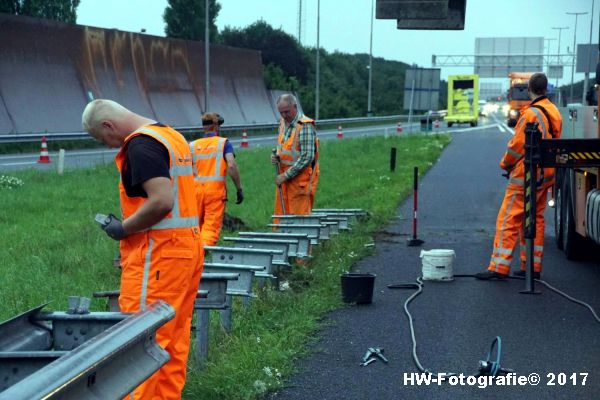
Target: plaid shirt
column 307, row 140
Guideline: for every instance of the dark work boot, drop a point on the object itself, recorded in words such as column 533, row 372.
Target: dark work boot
column 487, row 275
column 520, row 273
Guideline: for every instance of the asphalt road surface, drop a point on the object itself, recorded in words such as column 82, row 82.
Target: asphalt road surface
column 88, row 158
column 544, row 336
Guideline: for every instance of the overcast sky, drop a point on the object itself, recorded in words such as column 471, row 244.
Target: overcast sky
column 345, row 25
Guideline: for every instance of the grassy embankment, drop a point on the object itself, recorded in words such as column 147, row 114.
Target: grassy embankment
column 51, row 248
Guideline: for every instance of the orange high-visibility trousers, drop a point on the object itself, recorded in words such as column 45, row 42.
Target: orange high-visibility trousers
column 162, row 265
column 211, row 207
column 298, row 196
column 509, row 230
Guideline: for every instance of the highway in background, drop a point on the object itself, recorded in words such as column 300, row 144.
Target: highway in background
column 88, row 158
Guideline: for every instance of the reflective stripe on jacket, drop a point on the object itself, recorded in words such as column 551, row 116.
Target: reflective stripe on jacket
column 513, row 159
column 210, row 167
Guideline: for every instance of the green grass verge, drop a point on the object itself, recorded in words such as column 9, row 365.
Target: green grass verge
column 51, row 248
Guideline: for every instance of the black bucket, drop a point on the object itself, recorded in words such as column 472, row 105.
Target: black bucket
column 357, row 288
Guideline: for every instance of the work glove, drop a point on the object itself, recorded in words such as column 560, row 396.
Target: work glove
column 240, row 196
column 506, row 174
column 113, row 227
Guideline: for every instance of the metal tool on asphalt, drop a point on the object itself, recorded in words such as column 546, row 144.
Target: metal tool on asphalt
column 279, row 186
column 414, row 241
column 369, row 361
column 378, row 352
column 372, row 354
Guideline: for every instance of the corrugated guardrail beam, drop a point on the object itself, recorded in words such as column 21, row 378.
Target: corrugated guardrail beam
column 21, row 333
column 95, row 370
column 36, row 137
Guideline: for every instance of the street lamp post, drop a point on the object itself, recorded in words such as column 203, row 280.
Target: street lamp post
column 587, row 64
column 560, row 29
column 574, row 51
column 206, row 56
column 318, row 66
column 369, row 110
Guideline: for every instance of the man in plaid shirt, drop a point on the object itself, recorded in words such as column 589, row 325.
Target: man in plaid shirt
column 297, row 159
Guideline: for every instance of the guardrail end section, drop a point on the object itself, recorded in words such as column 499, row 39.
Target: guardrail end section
column 109, row 366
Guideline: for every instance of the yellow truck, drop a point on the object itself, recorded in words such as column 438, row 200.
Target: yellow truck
column 463, row 100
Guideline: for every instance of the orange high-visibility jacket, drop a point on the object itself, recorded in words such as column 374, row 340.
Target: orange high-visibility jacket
column 513, row 159
column 185, row 212
column 210, row 167
column 289, row 151
column 164, row 262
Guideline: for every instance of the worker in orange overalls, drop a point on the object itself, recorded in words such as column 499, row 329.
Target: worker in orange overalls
column 509, row 224
column 160, row 244
column 297, row 157
column 213, row 159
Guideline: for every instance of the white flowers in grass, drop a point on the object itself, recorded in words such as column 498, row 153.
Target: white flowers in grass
column 10, row 182
column 273, row 377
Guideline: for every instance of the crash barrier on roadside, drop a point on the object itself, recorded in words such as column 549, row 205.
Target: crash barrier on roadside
column 87, row 63
column 78, row 354
column 255, row 257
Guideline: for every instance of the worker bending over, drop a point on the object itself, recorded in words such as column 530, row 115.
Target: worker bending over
column 160, row 244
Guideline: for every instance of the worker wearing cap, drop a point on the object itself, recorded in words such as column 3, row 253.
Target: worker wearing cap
column 297, row 156
column 509, row 224
column 160, row 244
column 213, row 159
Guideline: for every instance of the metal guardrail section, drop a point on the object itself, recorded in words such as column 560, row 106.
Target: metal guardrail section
column 243, row 285
column 236, row 255
column 36, row 137
column 18, row 365
column 303, row 248
column 356, row 211
column 334, row 227
column 94, row 370
column 22, row 333
column 215, row 283
column 342, row 221
column 309, row 219
column 318, row 231
column 265, row 244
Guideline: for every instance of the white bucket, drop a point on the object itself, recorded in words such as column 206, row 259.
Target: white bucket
column 437, row 264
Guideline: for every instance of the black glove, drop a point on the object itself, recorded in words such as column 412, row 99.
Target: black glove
column 113, row 227
column 506, row 174
column 240, row 196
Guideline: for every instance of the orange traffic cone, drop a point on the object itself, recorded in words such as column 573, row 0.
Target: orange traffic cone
column 340, row 134
column 399, row 127
column 244, row 139
column 44, row 157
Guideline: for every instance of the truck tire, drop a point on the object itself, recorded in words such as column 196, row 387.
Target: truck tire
column 558, row 213
column 450, row 124
column 473, row 124
column 571, row 239
column 592, row 206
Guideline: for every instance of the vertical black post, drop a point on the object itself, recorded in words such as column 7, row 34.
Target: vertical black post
column 393, row 159
column 532, row 159
column 414, row 241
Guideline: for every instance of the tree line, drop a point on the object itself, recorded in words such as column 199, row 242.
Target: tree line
column 287, row 64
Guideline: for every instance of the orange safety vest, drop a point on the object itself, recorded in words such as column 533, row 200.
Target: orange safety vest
column 289, row 151
column 210, row 167
column 513, row 159
column 184, row 214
